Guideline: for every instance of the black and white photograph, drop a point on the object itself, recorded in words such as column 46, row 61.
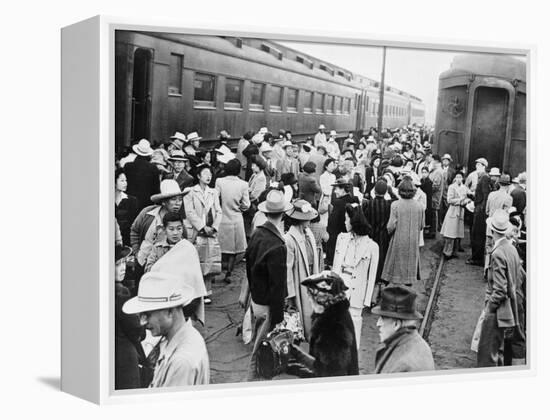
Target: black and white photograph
column 290, row 209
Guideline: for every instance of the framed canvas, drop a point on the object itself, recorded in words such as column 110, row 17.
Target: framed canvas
column 199, row 140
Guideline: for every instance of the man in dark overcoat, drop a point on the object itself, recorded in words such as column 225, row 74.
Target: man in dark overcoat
column 479, row 226
column 143, row 176
column 308, row 186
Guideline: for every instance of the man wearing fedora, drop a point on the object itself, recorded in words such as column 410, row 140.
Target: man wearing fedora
column 165, row 305
column 266, row 270
column 479, row 226
column 178, row 159
column 177, row 143
column 142, row 175
column 193, row 142
column 502, row 337
column 401, row 349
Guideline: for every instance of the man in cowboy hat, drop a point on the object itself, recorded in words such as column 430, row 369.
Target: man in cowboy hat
column 164, row 304
column 479, row 226
column 402, row 349
column 142, row 175
column 266, row 270
column 178, row 159
column 502, row 338
column 320, row 138
column 147, row 226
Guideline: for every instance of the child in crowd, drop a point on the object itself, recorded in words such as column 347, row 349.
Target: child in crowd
column 172, row 224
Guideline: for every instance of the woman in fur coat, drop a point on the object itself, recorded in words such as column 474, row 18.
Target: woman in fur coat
column 332, row 345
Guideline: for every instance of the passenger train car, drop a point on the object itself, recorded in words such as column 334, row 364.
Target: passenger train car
column 481, row 111
column 171, row 82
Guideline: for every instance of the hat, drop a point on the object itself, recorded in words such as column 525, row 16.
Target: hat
column 143, row 148
column 515, row 180
column 225, row 134
column 257, row 138
column 397, row 302
column 265, row 147
column 322, row 127
column 500, row 221
column 447, row 156
column 370, row 139
column 381, row 187
column 302, row 210
column 179, row 136
column 168, row 188
column 286, row 144
column 288, row 178
column 178, row 155
column 178, row 143
column 321, row 147
column 326, row 281
column 306, row 147
column 333, row 133
column 494, row 172
column 341, row 182
column 504, row 179
column 194, row 136
column 275, row 202
column 223, row 149
column 121, row 252
column 309, row 167
column 483, row 161
column 156, row 291
column 263, row 130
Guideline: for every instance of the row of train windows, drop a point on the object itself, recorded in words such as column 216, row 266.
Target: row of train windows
column 389, row 110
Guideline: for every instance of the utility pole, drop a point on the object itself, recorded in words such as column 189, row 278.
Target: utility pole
column 382, row 89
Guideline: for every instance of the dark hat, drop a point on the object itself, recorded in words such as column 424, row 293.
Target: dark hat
column 504, row 179
column 259, row 161
column 381, row 187
column 342, row 183
column 326, row 281
column 121, row 252
column 309, row 167
column 306, row 147
column 397, row 161
column 397, row 302
column 289, row 178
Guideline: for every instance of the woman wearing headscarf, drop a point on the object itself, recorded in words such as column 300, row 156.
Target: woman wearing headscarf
column 453, row 224
column 234, row 200
column 302, row 259
column 404, row 226
column 356, row 261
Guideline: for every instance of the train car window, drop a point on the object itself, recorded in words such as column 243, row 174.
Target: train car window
column 292, row 100
column 337, row 104
column 204, row 85
column 275, row 98
column 257, row 93
column 176, row 68
column 319, row 99
column 308, row 101
column 330, row 104
column 233, row 93
column 347, row 105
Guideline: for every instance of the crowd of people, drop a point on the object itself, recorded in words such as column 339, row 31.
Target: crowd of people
column 327, row 227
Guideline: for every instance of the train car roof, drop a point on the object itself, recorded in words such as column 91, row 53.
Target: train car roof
column 502, row 66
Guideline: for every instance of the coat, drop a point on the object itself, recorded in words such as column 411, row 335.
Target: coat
column 405, row 224
column 143, row 180
column 198, row 204
column 234, row 200
column 309, row 188
column 438, row 184
column 498, row 199
column 266, row 270
column 405, row 351
column 337, row 222
column 371, row 176
column 377, row 212
column 356, row 260
column 453, row 224
column 184, row 179
column 298, row 268
column 125, row 214
column 319, row 160
column 256, row 185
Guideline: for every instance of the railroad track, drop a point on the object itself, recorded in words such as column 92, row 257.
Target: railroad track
column 432, row 301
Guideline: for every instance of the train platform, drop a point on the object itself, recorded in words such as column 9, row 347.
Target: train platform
column 457, row 305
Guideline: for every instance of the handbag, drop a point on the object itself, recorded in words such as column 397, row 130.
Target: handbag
column 210, row 255
column 505, row 314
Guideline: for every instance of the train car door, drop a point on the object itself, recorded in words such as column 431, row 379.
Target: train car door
column 141, row 94
column 489, row 122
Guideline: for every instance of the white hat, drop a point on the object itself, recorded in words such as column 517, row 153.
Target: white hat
column 322, row 127
column 265, row 147
column 143, row 148
column 225, row 157
column 287, row 143
column 179, row 136
column 447, row 156
column 223, row 149
column 500, row 221
column 257, row 138
column 483, row 161
column 168, row 188
column 178, row 155
column 494, row 172
column 370, row 139
column 263, row 130
column 158, row 290
column 275, row 202
column 333, row 133
column 193, row 136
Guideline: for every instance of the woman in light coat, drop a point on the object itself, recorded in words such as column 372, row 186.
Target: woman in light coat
column 234, row 200
column 453, row 225
column 356, row 261
column 302, row 259
column 203, row 218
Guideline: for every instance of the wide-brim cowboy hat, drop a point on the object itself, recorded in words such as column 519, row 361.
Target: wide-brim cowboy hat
column 169, row 188
column 397, row 302
column 483, row 161
column 143, row 148
column 179, row 136
column 178, row 155
column 121, row 252
column 158, row 290
column 499, row 221
column 302, row 210
column 194, row 136
column 275, row 202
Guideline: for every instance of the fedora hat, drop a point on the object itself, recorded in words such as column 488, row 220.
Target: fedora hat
column 333, row 133
column 504, row 179
column 143, row 148
column 322, row 127
column 177, row 143
column 397, row 302
column 447, row 156
column 225, row 157
column 499, row 221
column 121, row 252
column 168, row 188
column 158, row 290
column 483, row 161
column 275, row 202
column 178, row 155
column 194, row 136
column 494, row 172
column 326, row 281
column 179, row 136
column 302, row 210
